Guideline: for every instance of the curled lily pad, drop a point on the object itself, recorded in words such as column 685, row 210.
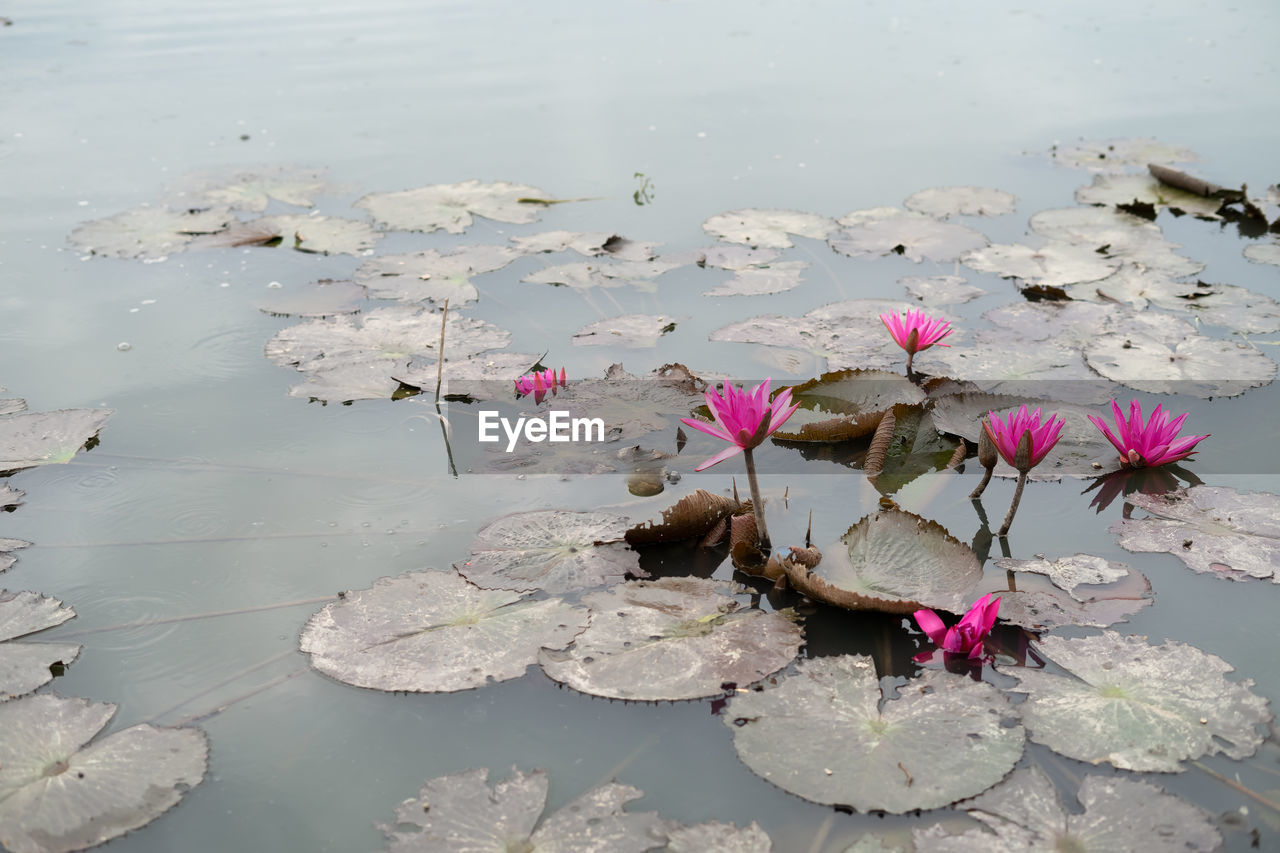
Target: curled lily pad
column 1025, row 814
column 433, row 632
column 913, row 448
column 767, row 228
column 43, row 438
column 857, row 391
column 828, row 734
column 460, row 813
column 58, row 792
column 631, row 330
column 963, row 201
column 1263, row 253
column 147, row 233
column 673, row 638
column 552, row 550
column 1117, row 155
column 432, row 275
column 1197, row 366
column 324, row 235
column 1138, row 706
column 884, row 231
column 253, row 189
column 940, row 289
column 1126, row 189
column 1053, row 264
column 716, row 837
column 450, row 206
column 25, row 666
column 756, row 281
column 693, row 516
column 1213, row 529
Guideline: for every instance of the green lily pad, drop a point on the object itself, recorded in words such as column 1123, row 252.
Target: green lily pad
column 253, row 189
column 760, row 280
column 1117, row 155
column 884, row 231
column 630, row 330
column 433, row 632
column 432, row 275
column 58, row 792
column 460, row 813
column 673, row 638
column 323, row 235
column 1138, row 706
column 1051, row 265
column 450, row 206
column 44, row 438
column 915, row 448
column 147, row 233
column 1025, row 814
column 25, row 666
column 828, row 734
column 1196, row 366
column 716, row 837
column 769, row 229
column 551, row 550
column 961, row 201
column 935, row 290
column 1126, row 189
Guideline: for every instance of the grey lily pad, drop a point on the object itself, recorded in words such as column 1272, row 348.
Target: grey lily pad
column 586, row 275
column 593, row 244
column 1117, row 235
column 855, row 392
column 1052, row 265
column 460, row 813
column 1115, row 593
column 633, row 406
column 25, row 666
column 1132, row 284
column 432, row 275
column 940, row 289
column 43, row 438
column 147, row 233
column 767, row 228
column 552, row 550
column 488, row 376
column 727, row 257
column 254, row 189
column 433, row 632
column 344, row 383
column 1074, row 324
column 1067, row 573
column 1138, row 706
column 1213, row 529
column 1117, row 155
column 324, row 298
column 8, row 545
column 9, row 496
column 1126, row 189
column 1236, row 308
column 324, row 235
column 716, row 837
column 450, row 206
column 58, row 792
column 1025, row 814
column 1197, row 366
column 1263, row 253
column 757, row 281
column 883, row 231
column 12, row 405
column 673, row 638
column 1001, row 362
column 630, row 330
column 963, row 201
column 828, row 734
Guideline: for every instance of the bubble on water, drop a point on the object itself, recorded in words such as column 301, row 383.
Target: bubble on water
column 275, row 285
column 124, row 346
column 225, row 284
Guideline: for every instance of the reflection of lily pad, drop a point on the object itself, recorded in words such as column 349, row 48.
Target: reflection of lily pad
column 1213, row 529
column 1197, row 366
column 767, row 228
column 42, row 438
column 431, row 274
column 962, row 201
column 460, row 813
column 631, row 330
column 552, row 550
column 673, row 638
column 147, row 233
column 1138, row 706
column 828, row 734
column 756, row 281
column 450, row 206
column 1052, row 265
column 940, row 289
column 433, row 632
column 1026, row 815
column 60, row 793
column 887, row 230
column 25, row 666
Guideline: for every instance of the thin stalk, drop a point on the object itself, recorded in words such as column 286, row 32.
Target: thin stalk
column 910, row 358
column 757, row 503
column 224, row 682
column 982, row 487
column 1248, row 792
column 191, row 617
column 1013, row 507
column 192, row 719
column 444, row 315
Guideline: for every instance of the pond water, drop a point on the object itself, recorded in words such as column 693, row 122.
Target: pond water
column 213, row 491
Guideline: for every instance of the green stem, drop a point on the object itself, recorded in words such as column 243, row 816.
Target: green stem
column 1013, row 507
column 762, row 531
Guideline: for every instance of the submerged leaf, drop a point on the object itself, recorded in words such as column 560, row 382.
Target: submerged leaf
column 253, row 189
column 433, row 632
column 962, row 201
column 324, row 298
column 450, row 206
column 43, row 438
column 631, row 330
column 828, row 734
column 25, row 666
column 767, row 228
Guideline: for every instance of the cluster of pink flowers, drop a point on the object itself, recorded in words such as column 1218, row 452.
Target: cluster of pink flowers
column 539, row 383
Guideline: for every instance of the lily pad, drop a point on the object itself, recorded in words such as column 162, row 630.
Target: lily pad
column 727, row 257
column 1117, row 155
column 1067, row 573
column 940, row 289
column 433, row 632
column 10, row 497
column 584, row 276
column 634, row 406
column 324, row 298
column 1197, row 366
column 1126, row 189
column 673, row 638
column 12, row 405
column 1213, row 529
column 857, row 391
column 631, row 330
column 1025, row 814
column 450, row 206
column 323, row 235
column 1138, row 706
column 254, row 189
column 8, row 545
column 1263, row 253
column 1115, row 593
column 757, row 281
column 1134, row 285
column 344, row 383
column 828, row 734
column 147, row 233
column 1052, row 265
column 716, row 837
column 25, row 666
column 432, row 275
column 962, row 201
column 487, row 376
column 693, row 516
column 460, row 813
column 551, row 550
column 593, row 244
column 1117, row 235
column 884, row 231
column 44, row 438
column 915, row 447
column 58, row 792
column 1236, row 308
column 767, row 228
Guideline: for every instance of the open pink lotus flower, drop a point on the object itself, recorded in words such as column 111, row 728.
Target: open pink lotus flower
column 966, row 636
column 539, row 383
column 916, row 331
column 743, row 418
column 1007, row 434
column 1146, row 445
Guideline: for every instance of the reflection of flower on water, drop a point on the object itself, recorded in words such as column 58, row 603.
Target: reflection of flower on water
column 1147, row 481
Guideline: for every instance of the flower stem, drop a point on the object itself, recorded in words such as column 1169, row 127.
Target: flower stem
column 910, row 358
column 982, row 487
column 757, row 504
column 1013, row 507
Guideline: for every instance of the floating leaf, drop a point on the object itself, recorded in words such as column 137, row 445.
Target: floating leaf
column 1126, row 189
column 488, row 376
column 727, row 257
column 1065, row 603
column 432, row 275
column 1138, row 706
column 1263, row 253
column 253, row 189
column 828, row 734
column 883, row 231
column 552, row 550
column 1132, row 284
column 324, row 298
column 767, row 228
column 59, row 794
column 1236, row 308
column 147, row 233
column 450, row 206
column 756, row 281
column 1116, row 235
column 633, row 406
column 962, row 201
column 344, row 383
column 1196, row 366
column 940, row 289
column 631, row 330
column 857, row 391
column 9, row 496
column 716, row 837
column 43, row 438
column 324, row 235
column 1053, row 264
column 1067, row 573
column 691, row 517
column 460, row 813
column 1116, row 155
column 1026, row 815
column 12, row 405
column 1213, row 529
column 25, row 666
column 6, row 545
column 673, row 638
column 433, row 632
column 593, row 244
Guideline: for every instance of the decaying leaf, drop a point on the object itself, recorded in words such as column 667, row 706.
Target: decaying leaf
column 691, row 517
column 450, row 206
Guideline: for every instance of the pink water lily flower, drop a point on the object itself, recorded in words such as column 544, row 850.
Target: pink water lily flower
column 1007, row 434
column 916, row 331
column 539, row 383
column 1146, row 445
column 966, row 636
column 743, row 418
